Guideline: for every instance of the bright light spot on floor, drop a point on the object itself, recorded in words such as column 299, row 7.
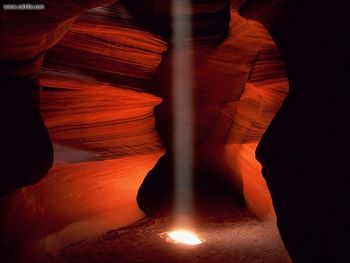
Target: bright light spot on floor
column 184, row 237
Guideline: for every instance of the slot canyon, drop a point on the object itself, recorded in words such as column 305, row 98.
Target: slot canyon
column 89, row 125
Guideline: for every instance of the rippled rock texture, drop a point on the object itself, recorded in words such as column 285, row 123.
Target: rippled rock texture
column 100, row 85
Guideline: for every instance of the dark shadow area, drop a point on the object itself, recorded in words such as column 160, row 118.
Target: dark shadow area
column 27, row 153
column 304, row 151
column 156, row 194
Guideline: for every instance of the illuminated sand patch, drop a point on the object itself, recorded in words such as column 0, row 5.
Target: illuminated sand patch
column 182, row 236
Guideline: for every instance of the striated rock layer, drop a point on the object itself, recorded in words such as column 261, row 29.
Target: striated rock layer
column 238, row 86
column 101, row 122
column 100, row 85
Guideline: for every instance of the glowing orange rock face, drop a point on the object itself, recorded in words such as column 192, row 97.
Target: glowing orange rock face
column 97, row 103
column 101, row 122
column 238, row 87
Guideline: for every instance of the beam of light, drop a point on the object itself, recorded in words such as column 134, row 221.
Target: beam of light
column 183, row 237
column 182, row 105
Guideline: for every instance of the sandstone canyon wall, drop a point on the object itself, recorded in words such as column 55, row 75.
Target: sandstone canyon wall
column 100, row 85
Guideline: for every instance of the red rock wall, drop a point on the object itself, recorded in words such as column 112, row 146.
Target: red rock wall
column 99, row 84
